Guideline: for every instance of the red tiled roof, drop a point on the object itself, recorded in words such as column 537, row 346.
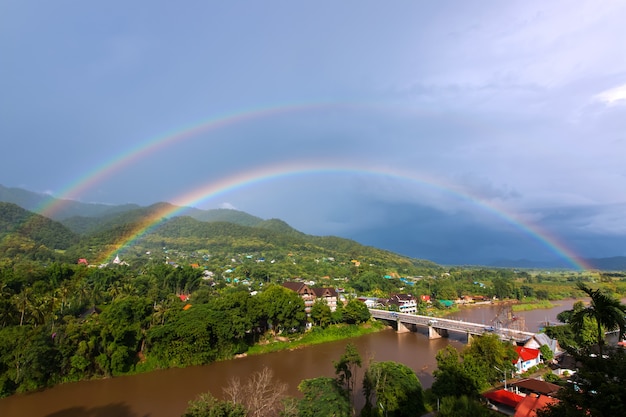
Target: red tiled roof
column 526, row 354
column 531, row 403
column 505, row 397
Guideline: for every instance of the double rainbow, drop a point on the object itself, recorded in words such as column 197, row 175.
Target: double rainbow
column 273, row 172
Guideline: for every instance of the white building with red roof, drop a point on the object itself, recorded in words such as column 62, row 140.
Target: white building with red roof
column 526, row 358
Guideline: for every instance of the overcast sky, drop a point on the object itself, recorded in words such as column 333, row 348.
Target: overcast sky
column 483, row 114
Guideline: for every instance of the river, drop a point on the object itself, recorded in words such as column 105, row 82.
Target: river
column 165, row 393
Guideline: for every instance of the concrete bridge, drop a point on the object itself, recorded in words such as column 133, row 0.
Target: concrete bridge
column 439, row 327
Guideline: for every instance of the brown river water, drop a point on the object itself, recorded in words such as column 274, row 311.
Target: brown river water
column 166, row 393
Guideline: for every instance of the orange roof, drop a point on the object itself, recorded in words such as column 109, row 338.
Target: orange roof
column 531, row 403
column 187, row 307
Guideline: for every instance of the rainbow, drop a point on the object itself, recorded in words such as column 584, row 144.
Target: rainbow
column 247, row 178
column 73, row 191
column 272, row 172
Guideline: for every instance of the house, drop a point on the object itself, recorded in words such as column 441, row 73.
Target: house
column 540, row 339
column 327, row 294
column 83, row 261
column 535, row 386
column 425, row 298
column 526, row 358
column 406, row 303
column 310, row 295
column 90, row 312
column 370, row 302
column 531, row 403
column 303, row 290
column 505, row 401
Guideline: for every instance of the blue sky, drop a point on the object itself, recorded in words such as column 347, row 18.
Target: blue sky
column 516, row 106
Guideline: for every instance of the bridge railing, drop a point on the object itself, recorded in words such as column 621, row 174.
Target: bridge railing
column 448, row 324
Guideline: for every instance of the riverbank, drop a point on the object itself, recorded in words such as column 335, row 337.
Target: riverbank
column 314, row 336
column 533, row 305
column 166, row 392
column 515, row 305
column 317, row 336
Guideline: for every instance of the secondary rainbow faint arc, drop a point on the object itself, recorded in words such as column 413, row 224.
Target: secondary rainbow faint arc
column 271, row 172
column 73, row 190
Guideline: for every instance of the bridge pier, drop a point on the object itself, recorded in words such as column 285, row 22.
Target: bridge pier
column 435, row 333
column 401, row 327
column 470, row 338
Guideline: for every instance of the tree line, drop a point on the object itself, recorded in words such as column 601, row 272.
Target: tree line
column 65, row 322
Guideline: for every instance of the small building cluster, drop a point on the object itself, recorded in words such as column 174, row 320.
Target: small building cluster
column 523, row 398
column 310, row 294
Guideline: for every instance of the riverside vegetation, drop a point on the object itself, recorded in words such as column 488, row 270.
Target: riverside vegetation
column 62, row 321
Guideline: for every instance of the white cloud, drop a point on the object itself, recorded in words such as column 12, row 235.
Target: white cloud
column 228, row 206
column 613, row 96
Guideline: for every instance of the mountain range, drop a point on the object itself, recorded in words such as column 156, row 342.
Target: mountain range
column 73, row 219
column 106, row 231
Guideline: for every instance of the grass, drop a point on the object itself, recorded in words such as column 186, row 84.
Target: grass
column 533, row 305
column 317, row 336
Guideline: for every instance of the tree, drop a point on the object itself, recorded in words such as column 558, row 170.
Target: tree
column 320, row 313
column 502, row 288
column 22, row 302
column 487, row 352
column 345, row 369
column 478, row 366
column 463, row 406
column 283, row 308
column 261, row 395
column 206, row 405
column 392, row 389
column 607, row 312
column 323, row 397
column 451, row 376
column 356, row 312
column 546, row 353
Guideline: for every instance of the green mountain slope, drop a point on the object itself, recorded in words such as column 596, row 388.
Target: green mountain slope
column 271, row 239
column 64, row 208
column 89, row 225
column 26, row 233
column 224, row 215
column 106, row 229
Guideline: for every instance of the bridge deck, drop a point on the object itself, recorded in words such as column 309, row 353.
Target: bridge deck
column 451, row 325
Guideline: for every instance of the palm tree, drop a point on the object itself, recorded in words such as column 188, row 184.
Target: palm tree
column 606, row 310
column 23, row 301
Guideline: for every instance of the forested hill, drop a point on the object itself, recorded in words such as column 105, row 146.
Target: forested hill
column 86, row 225
column 224, row 215
column 32, row 201
column 36, row 237
column 90, row 224
column 23, row 232
column 270, row 238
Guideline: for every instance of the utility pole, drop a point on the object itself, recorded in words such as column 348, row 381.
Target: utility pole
column 504, row 372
